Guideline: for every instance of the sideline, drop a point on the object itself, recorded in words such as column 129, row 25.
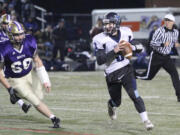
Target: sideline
column 44, row 131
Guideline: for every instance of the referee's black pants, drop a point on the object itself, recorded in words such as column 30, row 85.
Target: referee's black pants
column 157, row 61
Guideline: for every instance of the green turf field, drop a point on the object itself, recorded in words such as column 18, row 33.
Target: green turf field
column 79, row 99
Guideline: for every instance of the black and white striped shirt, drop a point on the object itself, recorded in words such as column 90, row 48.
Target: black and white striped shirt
column 161, row 36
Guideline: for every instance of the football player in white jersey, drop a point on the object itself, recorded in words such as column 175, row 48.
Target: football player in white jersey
column 4, row 22
column 118, row 72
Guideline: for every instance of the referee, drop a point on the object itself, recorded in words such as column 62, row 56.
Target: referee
column 163, row 40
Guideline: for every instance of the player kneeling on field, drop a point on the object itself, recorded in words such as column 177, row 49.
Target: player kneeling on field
column 16, row 58
column 114, row 48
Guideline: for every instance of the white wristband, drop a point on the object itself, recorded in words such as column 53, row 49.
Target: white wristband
column 43, row 75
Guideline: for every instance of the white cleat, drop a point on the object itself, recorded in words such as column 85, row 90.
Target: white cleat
column 112, row 112
column 148, row 125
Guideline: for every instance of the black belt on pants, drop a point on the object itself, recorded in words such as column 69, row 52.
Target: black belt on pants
column 156, row 52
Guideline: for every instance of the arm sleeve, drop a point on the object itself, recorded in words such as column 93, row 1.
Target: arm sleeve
column 178, row 38
column 101, row 56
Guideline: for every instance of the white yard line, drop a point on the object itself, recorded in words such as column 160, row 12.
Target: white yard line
column 104, row 110
column 90, row 95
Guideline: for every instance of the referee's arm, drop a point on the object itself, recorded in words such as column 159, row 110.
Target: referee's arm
column 156, row 39
column 177, row 44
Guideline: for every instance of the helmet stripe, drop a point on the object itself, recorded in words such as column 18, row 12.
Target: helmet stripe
column 18, row 25
column 8, row 18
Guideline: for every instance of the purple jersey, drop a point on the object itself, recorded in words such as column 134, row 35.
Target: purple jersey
column 3, row 36
column 18, row 63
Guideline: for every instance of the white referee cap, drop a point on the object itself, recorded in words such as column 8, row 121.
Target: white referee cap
column 170, row 17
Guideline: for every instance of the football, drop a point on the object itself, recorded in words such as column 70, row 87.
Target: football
column 127, row 50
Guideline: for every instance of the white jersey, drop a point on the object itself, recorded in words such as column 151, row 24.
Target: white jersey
column 103, row 41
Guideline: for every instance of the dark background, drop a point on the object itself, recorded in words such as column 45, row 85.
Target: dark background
column 86, row 6
column 83, row 23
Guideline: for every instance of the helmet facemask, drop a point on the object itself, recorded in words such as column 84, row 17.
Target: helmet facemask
column 4, row 27
column 18, row 38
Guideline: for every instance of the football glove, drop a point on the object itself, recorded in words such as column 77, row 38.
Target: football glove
column 139, row 48
column 13, row 97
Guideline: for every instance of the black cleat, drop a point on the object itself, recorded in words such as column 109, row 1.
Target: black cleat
column 112, row 112
column 56, row 122
column 178, row 99
column 26, row 107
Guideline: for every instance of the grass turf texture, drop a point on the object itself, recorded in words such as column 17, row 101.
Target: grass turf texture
column 80, row 100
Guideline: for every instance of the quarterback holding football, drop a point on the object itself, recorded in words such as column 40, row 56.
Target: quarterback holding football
column 114, row 47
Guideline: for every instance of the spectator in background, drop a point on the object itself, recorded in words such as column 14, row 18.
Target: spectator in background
column 29, row 30
column 47, row 40
column 27, row 10
column 14, row 14
column 11, row 9
column 147, row 23
column 4, row 7
column 59, row 37
column 31, row 24
column 39, row 38
column 98, row 28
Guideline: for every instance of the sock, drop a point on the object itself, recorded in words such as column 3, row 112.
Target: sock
column 52, row 116
column 20, row 102
column 144, row 116
column 112, row 103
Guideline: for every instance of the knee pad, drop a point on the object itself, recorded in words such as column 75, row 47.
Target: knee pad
column 133, row 94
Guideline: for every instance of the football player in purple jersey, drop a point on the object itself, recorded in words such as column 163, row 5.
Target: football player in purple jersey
column 17, row 57
column 5, row 20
